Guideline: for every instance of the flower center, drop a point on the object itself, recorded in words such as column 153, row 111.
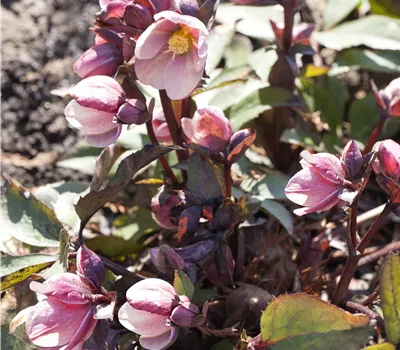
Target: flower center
column 180, row 41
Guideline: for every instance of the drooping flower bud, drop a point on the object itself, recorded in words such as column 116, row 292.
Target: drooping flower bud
column 138, row 16
column 133, row 112
column 352, row 158
column 96, row 100
column 208, row 128
column 67, row 316
column 321, row 183
column 102, row 59
column 387, row 168
column 239, row 144
column 151, row 308
column 161, row 205
column 388, row 99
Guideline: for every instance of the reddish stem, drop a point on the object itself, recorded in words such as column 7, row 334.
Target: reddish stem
column 228, row 180
column 163, row 161
column 289, row 11
column 353, row 222
column 374, row 136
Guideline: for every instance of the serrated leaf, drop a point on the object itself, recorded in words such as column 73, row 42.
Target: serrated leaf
column 390, row 297
column 182, row 284
column 260, row 101
column 28, row 219
column 337, row 10
column 377, row 32
column 93, row 201
column 278, row 211
column 16, row 269
column 302, row 321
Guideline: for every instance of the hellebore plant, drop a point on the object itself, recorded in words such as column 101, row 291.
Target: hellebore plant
column 72, row 305
column 325, row 180
column 155, row 311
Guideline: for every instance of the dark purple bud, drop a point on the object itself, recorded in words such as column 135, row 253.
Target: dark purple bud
column 137, row 16
column 166, row 260
column 199, row 252
column 188, row 223
column 102, row 59
column 183, row 316
column 352, row 158
column 90, row 266
column 107, row 35
column 239, row 142
column 133, row 112
column 112, row 13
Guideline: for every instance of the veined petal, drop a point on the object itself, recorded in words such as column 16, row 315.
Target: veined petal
column 104, row 139
column 159, row 342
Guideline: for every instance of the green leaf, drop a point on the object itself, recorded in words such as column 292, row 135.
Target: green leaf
column 28, row 219
column 113, row 246
column 298, row 137
column 259, row 101
column 93, row 201
column 224, row 344
column 278, row 211
column 182, row 284
column 238, row 51
column 262, row 61
column 390, row 297
column 389, row 8
column 218, row 40
column 302, row 321
column 251, row 21
column 16, row 269
column 337, row 10
column 377, row 32
column 385, row 61
column 363, row 116
column 270, row 186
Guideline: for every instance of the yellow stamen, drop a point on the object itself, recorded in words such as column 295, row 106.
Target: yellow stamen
column 180, row 41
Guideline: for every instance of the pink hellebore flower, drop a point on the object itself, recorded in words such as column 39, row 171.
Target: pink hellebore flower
column 73, row 303
column 99, row 107
column 325, row 180
column 388, row 99
column 102, row 59
column 171, row 54
column 387, row 168
column 161, row 205
column 208, row 128
column 155, row 311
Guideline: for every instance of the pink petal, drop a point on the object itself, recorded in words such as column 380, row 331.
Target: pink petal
column 84, row 331
column 66, row 287
column 99, row 92
column 154, row 39
column 55, row 323
column 105, row 139
column 181, row 77
column 160, row 342
column 308, row 188
column 142, row 322
column 324, row 204
column 88, row 120
column 151, row 71
column 177, row 18
column 187, row 127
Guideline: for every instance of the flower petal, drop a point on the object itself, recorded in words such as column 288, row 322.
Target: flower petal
column 151, row 71
column 105, row 139
column 160, row 342
column 142, row 322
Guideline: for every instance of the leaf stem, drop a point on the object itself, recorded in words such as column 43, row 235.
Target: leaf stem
column 355, row 255
column 228, row 180
column 374, row 136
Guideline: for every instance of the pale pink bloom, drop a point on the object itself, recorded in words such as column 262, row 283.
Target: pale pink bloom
column 389, row 97
column 99, row 107
column 171, row 54
column 155, row 311
column 160, row 127
column 323, row 182
column 101, row 59
column 161, row 206
column 208, row 128
column 67, row 315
